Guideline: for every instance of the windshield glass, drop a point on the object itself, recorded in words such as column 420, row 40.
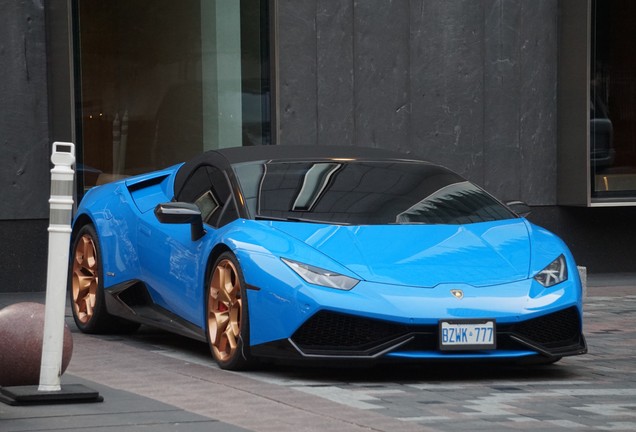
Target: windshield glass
column 364, row 193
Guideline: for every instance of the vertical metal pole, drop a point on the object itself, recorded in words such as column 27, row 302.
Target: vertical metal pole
column 61, row 209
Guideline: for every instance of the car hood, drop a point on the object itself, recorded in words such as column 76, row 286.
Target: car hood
column 477, row 254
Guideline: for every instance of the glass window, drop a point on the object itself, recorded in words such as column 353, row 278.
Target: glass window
column 208, row 188
column 613, row 99
column 160, row 81
column 364, row 193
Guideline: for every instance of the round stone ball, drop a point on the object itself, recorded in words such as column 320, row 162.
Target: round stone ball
column 21, row 334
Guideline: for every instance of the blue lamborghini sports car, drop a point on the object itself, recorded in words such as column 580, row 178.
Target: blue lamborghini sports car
column 323, row 253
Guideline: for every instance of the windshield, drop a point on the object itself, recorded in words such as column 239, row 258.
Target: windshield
column 364, row 193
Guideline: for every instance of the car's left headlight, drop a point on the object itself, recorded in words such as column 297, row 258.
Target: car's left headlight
column 322, row 277
column 556, row 272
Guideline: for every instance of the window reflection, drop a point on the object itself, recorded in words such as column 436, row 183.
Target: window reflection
column 613, row 99
column 161, row 81
column 364, row 193
column 315, row 181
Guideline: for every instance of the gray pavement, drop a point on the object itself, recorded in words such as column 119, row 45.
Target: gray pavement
column 152, row 380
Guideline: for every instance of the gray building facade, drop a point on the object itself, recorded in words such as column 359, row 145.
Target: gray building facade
column 480, row 86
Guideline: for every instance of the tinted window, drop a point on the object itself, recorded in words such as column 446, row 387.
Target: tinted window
column 208, row 188
column 364, row 193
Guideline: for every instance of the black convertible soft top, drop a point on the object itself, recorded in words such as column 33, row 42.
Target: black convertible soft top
column 290, row 152
column 224, row 158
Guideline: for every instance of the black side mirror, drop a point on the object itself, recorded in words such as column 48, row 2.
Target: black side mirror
column 181, row 213
column 520, row 208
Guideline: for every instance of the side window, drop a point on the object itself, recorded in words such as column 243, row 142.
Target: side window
column 208, row 188
column 229, row 214
column 221, row 189
column 208, row 204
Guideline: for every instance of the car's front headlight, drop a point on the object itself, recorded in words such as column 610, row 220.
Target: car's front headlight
column 322, row 277
column 556, row 272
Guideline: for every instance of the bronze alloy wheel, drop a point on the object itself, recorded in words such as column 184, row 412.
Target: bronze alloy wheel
column 85, row 278
column 225, row 306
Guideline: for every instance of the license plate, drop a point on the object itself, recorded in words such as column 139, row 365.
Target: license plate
column 456, row 335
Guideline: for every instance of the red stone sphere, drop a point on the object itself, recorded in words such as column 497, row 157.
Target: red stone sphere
column 21, row 334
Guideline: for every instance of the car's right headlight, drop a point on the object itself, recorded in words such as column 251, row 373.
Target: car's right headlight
column 322, row 277
column 554, row 273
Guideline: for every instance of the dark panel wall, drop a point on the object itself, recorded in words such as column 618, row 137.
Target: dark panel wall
column 447, row 92
column 335, row 84
column 603, row 239
column 24, row 146
column 520, row 100
column 23, row 257
column 381, row 74
column 470, row 84
column 24, row 140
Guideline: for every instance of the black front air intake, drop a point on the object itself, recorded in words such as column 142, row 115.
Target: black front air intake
column 331, row 331
column 553, row 330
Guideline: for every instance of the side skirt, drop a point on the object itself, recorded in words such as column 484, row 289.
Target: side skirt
column 131, row 301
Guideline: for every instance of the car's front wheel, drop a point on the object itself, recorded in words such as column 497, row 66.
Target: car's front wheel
column 227, row 316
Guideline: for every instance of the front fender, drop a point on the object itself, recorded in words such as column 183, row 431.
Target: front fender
column 108, row 208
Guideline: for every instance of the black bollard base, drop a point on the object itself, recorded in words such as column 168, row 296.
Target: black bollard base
column 30, row 395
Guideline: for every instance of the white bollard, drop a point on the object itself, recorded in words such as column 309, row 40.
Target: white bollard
column 61, row 209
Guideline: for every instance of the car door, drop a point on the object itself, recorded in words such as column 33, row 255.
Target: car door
column 173, row 264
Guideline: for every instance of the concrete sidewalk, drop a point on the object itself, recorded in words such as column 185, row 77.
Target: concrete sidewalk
column 119, row 411
column 155, row 381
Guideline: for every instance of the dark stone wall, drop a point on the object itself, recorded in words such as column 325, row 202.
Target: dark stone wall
column 24, row 134
column 24, row 253
column 24, row 146
column 603, row 239
column 469, row 84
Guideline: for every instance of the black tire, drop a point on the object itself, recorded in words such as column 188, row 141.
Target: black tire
column 86, row 289
column 227, row 317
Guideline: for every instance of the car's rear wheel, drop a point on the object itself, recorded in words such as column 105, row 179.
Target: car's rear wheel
column 86, row 287
column 227, row 316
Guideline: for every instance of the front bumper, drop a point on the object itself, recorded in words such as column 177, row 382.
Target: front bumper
column 336, row 335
